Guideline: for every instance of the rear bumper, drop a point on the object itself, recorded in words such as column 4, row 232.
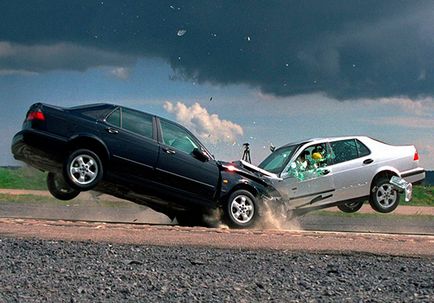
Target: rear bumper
column 39, row 150
column 416, row 175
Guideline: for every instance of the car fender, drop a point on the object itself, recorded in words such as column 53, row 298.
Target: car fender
column 385, row 169
column 231, row 181
column 89, row 137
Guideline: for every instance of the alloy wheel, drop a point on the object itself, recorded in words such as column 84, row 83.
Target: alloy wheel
column 83, row 169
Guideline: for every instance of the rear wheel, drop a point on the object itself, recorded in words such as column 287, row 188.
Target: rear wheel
column 242, row 209
column 351, row 207
column 83, row 169
column 58, row 187
column 384, row 197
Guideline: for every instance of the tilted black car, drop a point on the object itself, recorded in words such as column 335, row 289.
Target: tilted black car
column 136, row 156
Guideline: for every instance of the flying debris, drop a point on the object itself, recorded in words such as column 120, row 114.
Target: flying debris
column 181, row 32
column 210, row 99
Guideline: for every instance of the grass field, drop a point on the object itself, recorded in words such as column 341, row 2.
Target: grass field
column 22, row 178
column 30, row 178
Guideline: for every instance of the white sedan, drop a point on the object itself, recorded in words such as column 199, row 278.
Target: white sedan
column 343, row 172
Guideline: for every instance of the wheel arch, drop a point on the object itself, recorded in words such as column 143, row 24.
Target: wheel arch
column 240, row 186
column 90, row 142
column 387, row 172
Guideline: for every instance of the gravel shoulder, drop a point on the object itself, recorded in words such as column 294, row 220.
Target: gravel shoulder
column 33, row 270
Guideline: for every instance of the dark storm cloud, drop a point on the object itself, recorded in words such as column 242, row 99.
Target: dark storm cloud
column 348, row 49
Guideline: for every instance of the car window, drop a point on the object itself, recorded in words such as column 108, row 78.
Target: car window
column 277, row 160
column 115, row 118
column 137, row 122
column 344, row 150
column 310, row 162
column 363, row 150
column 177, row 137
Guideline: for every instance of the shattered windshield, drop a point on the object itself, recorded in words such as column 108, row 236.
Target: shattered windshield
column 277, row 160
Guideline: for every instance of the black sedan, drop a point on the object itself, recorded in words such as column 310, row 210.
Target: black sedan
column 140, row 157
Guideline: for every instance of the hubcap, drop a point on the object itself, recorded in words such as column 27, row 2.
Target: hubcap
column 83, row 169
column 386, row 195
column 242, row 209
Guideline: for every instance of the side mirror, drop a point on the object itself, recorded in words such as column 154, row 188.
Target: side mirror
column 200, row 155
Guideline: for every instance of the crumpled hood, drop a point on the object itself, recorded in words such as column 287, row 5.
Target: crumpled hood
column 248, row 170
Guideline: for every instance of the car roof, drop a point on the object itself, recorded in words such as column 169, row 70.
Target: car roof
column 323, row 139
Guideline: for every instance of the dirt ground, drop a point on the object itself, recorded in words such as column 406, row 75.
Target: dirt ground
column 389, row 244
column 403, row 209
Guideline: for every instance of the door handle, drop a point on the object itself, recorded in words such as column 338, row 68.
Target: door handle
column 325, row 172
column 368, row 161
column 169, row 151
column 111, row 130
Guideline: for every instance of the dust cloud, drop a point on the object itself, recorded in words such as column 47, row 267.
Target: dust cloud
column 274, row 217
column 271, row 218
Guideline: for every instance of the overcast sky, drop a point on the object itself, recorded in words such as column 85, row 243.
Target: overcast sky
column 232, row 71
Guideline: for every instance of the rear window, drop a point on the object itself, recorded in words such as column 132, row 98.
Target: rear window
column 93, row 112
column 137, row 122
column 346, row 150
column 363, row 150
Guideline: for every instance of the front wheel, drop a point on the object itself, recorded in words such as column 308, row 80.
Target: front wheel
column 83, row 169
column 242, row 209
column 351, row 207
column 59, row 188
column 384, row 197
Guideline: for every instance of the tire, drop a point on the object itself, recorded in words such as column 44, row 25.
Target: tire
column 384, row 198
column 351, row 207
column 59, row 188
column 83, row 169
column 242, row 209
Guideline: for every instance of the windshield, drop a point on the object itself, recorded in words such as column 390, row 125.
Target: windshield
column 277, row 160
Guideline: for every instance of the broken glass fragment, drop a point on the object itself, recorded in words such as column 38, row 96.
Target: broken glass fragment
column 181, row 32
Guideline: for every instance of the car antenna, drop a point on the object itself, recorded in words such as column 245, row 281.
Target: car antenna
column 246, row 153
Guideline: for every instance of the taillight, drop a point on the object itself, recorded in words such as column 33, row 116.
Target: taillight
column 36, row 115
column 416, row 156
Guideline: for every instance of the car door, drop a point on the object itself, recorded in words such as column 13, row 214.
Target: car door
column 131, row 139
column 190, row 177
column 308, row 185
column 353, row 168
